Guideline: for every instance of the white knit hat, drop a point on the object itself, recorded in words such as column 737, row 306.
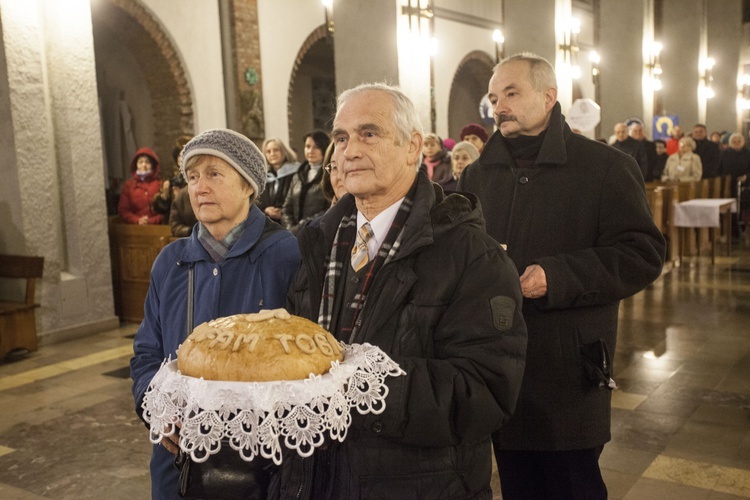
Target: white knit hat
column 235, row 149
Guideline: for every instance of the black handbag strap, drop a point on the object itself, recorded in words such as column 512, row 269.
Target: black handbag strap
column 182, row 460
column 189, row 322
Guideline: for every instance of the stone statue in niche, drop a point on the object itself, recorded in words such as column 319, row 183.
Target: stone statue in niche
column 252, row 114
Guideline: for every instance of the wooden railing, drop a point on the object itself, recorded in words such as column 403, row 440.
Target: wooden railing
column 661, row 198
column 133, row 249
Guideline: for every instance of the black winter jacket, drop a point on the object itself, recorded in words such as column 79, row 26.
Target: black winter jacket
column 304, row 200
column 447, row 309
column 580, row 212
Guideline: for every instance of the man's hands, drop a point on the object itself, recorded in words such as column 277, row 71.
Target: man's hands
column 534, row 282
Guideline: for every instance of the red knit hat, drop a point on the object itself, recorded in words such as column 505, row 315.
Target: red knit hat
column 474, row 129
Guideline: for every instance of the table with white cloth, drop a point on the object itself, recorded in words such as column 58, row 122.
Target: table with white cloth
column 710, row 213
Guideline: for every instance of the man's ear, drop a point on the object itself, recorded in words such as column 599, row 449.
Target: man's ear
column 550, row 98
column 415, row 147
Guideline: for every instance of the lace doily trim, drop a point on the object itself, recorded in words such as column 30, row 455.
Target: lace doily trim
column 255, row 418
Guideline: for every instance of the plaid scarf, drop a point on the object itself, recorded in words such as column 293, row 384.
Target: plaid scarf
column 340, row 256
column 218, row 250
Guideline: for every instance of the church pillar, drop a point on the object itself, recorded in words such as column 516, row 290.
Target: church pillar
column 53, row 188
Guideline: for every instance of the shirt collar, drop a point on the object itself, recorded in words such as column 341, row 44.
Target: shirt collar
column 380, row 225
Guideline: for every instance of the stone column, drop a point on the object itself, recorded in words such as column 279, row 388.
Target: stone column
column 530, row 27
column 53, row 162
column 682, row 36
column 724, row 30
column 365, row 42
column 540, row 27
column 623, row 26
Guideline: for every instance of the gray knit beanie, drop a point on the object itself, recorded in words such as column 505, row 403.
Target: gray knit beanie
column 235, row 149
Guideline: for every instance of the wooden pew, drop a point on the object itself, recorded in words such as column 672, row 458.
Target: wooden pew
column 726, row 186
column 17, row 319
column 133, row 249
column 716, row 187
column 661, row 198
column 655, row 197
column 669, row 193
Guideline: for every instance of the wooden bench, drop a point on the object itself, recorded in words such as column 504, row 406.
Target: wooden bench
column 17, row 321
column 661, row 196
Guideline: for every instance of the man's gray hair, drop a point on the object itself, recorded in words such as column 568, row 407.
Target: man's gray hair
column 541, row 72
column 405, row 116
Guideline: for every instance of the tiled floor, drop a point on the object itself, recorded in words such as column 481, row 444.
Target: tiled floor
column 680, row 426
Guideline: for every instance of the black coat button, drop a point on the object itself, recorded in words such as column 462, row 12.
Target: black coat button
column 590, row 296
column 523, row 179
column 377, row 427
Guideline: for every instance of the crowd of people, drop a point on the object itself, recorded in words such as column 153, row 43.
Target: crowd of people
column 490, row 269
column 295, row 192
column 298, row 192
column 685, row 157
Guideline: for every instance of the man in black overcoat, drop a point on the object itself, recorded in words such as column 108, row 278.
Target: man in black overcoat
column 708, row 151
column 631, row 147
column 400, row 265
column 574, row 216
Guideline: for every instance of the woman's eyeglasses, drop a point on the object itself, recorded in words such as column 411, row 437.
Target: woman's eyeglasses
column 332, row 168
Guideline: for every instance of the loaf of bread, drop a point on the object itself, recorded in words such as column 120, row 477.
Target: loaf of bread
column 262, row 347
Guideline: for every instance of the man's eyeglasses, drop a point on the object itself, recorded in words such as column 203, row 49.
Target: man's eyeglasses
column 332, row 168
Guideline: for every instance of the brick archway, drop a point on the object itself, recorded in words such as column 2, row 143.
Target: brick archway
column 467, row 89
column 318, row 35
column 158, row 58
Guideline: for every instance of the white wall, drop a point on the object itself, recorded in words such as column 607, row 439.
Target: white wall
column 284, row 25
column 195, row 31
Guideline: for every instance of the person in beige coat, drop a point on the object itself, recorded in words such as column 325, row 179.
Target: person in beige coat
column 684, row 165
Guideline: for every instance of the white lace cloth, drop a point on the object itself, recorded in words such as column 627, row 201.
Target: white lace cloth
column 255, row 417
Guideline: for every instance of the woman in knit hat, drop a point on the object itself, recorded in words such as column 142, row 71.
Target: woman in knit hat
column 238, row 260
column 475, row 134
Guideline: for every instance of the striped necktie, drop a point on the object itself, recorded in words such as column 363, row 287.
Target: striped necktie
column 359, row 252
